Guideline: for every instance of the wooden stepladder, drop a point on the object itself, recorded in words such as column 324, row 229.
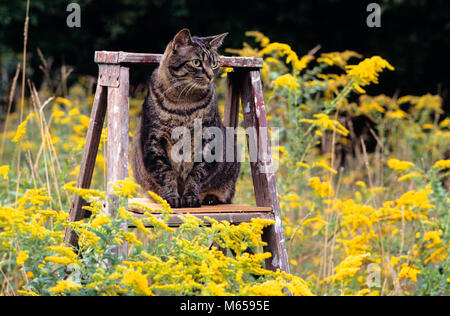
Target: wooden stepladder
column 112, row 100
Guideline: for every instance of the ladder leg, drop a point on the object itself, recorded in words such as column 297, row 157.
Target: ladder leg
column 118, row 140
column 88, row 160
column 266, row 193
column 232, row 97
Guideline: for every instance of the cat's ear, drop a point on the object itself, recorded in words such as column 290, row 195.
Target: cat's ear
column 215, row 41
column 183, row 38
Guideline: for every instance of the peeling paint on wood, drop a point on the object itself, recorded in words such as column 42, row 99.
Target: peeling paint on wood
column 90, row 150
column 176, row 219
column 118, row 140
column 105, row 57
column 266, row 193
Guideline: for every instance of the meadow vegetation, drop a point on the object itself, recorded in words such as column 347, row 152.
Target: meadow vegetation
column 363, row 183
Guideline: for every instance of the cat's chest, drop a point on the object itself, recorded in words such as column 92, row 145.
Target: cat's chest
column 181, row 152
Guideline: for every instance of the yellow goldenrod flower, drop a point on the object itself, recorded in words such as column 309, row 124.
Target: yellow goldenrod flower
column 74, row 112
column 324, row 166
column 417, row 198
column 302, row 164
column 137, row 280
column 409, row 271
column 323, row 121
column 131, row 239
column 394, row 261
column 26, row 293
column 22, row 128
column 433, row 102
column 159, row 200
column 22, row 257
column 339, row 59
column 259, row 37
column 398, row 114
column 301, row 64
column 367, row 71
column 57, row 113
column 226, row 70
column 126, row 187
column 445, row 123
column 439, row 254
column 64, row 101
column 427, row 126
column 347, row 268
column 282, row 49
column 409, row 176
column 4, row 171
column 286, row 81
column 59, row 260
column 323, row 189
column 65, row 121
column 100, row 220
column 399, row 165
column 84, row 120
column 65, row 285
column 292, row 57
column 361, row 184
column 444, row 164
column 434, row 237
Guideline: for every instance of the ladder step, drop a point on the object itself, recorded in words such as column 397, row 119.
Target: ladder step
column 233, row 213
column 176, row 219
column 133, row 206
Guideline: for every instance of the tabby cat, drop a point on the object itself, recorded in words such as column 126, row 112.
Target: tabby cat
column 181, row 92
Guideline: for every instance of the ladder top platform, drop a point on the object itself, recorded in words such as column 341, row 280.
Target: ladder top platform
column 114, row 58
column 133, row 206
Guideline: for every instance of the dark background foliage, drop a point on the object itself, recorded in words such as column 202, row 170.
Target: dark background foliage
column 414, row 37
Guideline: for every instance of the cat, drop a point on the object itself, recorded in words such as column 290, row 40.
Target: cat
column 181, row 92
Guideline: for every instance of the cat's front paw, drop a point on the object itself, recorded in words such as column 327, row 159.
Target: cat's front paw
column 190, row 201
column 211, row 200
column 173, row 200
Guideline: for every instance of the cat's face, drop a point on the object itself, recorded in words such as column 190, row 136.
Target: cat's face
column 192, row 61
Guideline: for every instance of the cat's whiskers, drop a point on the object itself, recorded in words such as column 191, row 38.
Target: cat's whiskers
column 175, row 85
column 186, row 89
column 195, row 85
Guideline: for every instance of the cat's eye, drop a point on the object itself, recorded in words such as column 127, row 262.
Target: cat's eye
column 215, row 64
column 196, row 62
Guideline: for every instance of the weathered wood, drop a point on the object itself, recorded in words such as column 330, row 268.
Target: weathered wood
column 109, row 75
column 135, row 205
column 232, row 99
column 93, row 136
column 175, row 220
column 241, row 62
column 264, row 181
column 118, row 140
column 139, row 58
column 105, row 57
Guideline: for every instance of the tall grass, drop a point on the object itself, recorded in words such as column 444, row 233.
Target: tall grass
column 365, row 206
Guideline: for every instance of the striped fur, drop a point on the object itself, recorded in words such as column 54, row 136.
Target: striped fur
column 179, row 93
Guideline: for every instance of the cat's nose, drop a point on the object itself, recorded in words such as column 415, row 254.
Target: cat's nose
column 210, row 75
